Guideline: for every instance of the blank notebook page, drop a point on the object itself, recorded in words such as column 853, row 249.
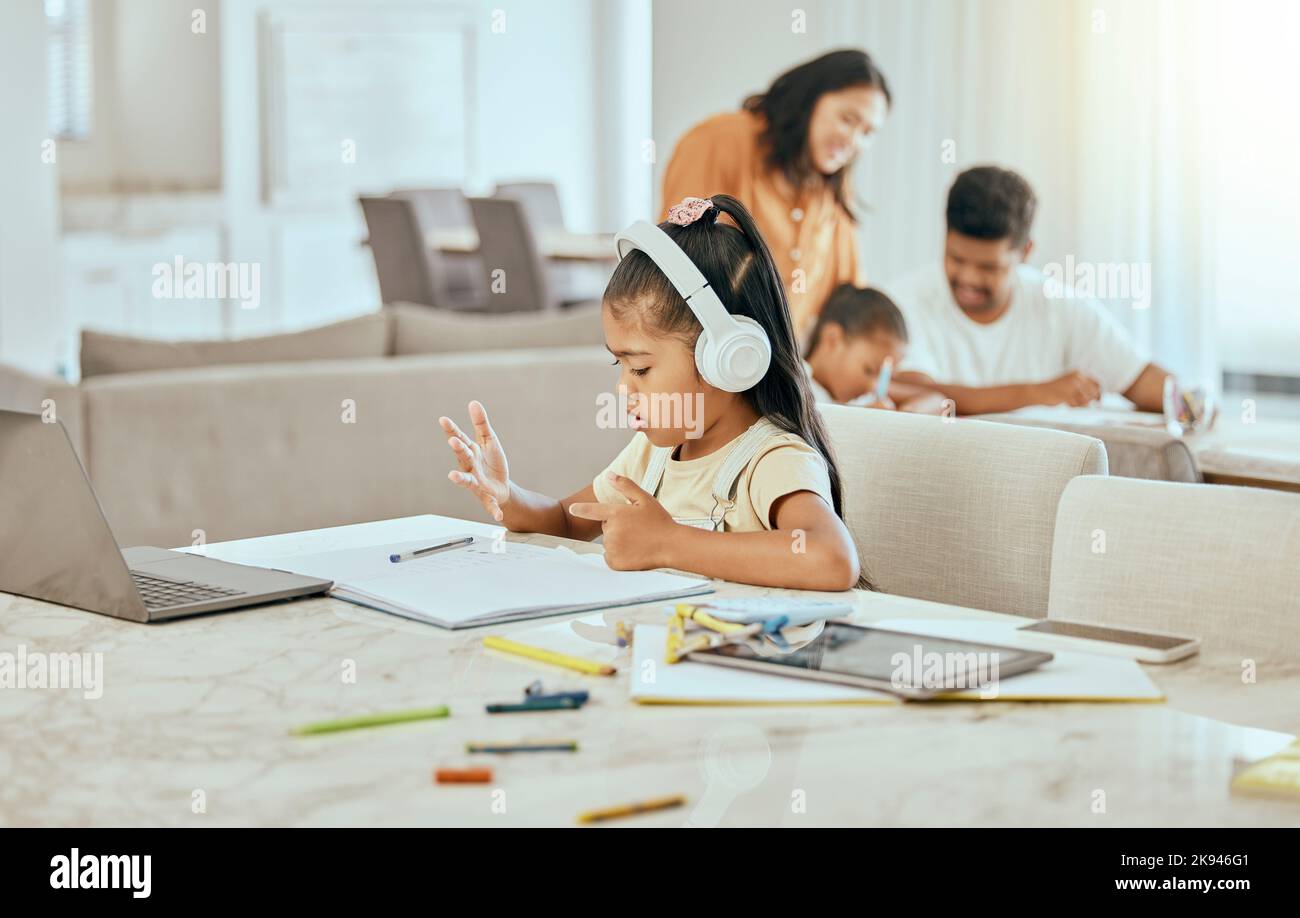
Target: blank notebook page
column 464, row 584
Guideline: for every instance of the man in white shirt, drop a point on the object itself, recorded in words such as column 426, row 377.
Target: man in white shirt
column 984, row 332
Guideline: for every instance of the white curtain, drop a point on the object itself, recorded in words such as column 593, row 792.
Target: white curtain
column 1103, row 107
column 1146, row 165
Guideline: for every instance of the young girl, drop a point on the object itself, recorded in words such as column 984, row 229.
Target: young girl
column 748, row 490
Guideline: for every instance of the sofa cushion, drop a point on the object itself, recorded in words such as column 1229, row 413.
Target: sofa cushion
column 49, row 396
column 363, row 336
column 425, row 330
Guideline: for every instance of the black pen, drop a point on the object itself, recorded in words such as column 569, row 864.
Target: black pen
column 421, row 552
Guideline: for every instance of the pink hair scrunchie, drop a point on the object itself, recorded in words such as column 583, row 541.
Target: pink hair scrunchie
column 688, row 211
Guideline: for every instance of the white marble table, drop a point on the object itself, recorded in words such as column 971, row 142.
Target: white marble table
column 199, row 709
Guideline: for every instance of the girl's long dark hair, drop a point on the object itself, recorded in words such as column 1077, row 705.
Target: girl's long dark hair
column 739, row 268
column 787, row 107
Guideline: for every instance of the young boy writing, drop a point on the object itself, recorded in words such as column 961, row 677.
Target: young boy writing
column 859, row 332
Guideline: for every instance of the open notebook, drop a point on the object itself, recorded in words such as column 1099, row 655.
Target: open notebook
column 485, row 583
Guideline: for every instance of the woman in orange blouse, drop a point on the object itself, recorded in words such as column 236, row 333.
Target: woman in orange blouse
column 786, row 155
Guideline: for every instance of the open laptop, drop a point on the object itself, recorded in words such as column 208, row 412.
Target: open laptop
column 55, row 543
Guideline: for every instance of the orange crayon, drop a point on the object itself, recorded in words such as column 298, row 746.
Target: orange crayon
column 462, row 775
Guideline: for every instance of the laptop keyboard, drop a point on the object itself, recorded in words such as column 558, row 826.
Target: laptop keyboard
column 163, row 594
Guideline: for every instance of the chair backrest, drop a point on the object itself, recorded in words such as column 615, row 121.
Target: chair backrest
column 541, row 202
column 448, row 209
column 1132, row 452
column 408, row 268
column 1212, row 561
column 506, row 245
column 955, row 511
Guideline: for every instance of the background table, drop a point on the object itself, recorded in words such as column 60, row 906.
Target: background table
column 203, row 705
column 552, row 244
column 1263, row 452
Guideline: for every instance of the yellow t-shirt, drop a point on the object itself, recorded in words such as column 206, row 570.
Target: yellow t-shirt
column 784, row 463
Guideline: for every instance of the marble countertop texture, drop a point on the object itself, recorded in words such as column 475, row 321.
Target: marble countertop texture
column 192, row 730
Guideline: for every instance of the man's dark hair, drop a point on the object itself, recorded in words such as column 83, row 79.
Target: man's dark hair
column 859, row 311
column 991, row 203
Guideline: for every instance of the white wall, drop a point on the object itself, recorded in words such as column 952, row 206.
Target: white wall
column 1256, row 279
column 537, row 100
column 562, row 94
column 156, row 101
column 535, row 116
column 29, row 303
column 626, row 153
column 168, row 96
column 707, row 57
column 91, row 164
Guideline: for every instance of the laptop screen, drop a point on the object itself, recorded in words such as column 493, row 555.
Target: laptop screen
column 55, row 543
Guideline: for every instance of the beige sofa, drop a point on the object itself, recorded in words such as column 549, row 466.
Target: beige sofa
column 244, row 451
column 230, row 439
column 401, row 329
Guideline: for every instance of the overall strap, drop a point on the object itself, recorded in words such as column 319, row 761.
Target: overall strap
column 724, row 483
column 654, row 472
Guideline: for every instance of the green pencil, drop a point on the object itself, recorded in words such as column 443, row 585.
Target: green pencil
column 371, row 720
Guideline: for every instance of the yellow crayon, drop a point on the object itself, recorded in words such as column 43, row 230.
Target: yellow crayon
column 632, row 809
column 548, row 656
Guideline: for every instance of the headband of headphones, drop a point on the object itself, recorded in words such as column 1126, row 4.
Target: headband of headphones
column 732, row 352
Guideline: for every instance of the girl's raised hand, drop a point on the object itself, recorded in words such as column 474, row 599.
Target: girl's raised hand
column 483, row 468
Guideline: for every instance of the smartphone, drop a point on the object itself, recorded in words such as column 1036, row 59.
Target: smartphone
column 1145, row 646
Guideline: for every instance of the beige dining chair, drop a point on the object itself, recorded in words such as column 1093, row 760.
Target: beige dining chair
column 1217, row 562
column 956, row 510
column 409, row 269
column 448, row 209
column 517, row 275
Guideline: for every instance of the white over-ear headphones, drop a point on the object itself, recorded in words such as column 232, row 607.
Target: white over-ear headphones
column 732, row 352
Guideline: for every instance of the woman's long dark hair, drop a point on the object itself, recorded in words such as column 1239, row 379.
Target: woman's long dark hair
column 787, row 107
column 739, row 268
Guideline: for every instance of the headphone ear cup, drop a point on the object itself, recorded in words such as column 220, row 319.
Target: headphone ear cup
column 750, row 355
column 739, row 360
column 704, row 361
